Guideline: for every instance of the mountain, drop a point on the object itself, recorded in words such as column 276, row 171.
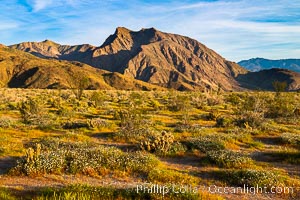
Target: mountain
column 264, row 79
column 156, row 58
column 23, row 70
column 149, row 55
column 257, row 64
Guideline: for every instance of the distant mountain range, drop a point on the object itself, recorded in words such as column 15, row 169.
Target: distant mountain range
column 146, row 59
column 257, row 64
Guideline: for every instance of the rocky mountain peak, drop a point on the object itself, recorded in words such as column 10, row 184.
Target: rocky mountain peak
column 122, row 31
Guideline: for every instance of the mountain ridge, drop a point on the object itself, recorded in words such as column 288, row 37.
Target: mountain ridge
column 158, row 58
column 257, row 64
column 20, row 69
column 152, row 56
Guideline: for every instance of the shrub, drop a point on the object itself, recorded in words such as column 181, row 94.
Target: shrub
column 233, row 98
column 177, row 148
column 65, row 112
column 229, row 159
column 213, row 100
column 281, row 106
column 251, row 111
column 132, row 125
column 181, row 127
column 292, row 139
column 224, row 122
column 97, row 99
column 279, row 86
column 75, row 125
column 213, row 115
column 178, row 102
column 60, row 157
column 171, row 176
column 250, row 119
column 251, row 178
column 32, row 111
column 207, row 143
column 5, row 122
column 97, row 123
column 158, row 143
column 6, row 195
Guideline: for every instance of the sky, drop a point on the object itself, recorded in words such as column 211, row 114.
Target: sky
column 236, row 29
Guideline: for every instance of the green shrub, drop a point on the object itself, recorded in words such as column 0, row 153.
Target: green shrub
column 177, row 148
column 224, row 122
column 65, row 112
column 171, row 176
column 32, row 111
column 233, row 98
column 6, row 195
column 181, row 127
column 179, row 102
column 250, row 119
column 97, row 99
column 229, row 159
column 97, row 123
column 292, row 139
column 133, row 124
column 75, row 125
column 282, row 105
column 251, row 178
column 59, row 157
column 5, row 122
column 207, row 143
column 213, row 115
column 158, row 143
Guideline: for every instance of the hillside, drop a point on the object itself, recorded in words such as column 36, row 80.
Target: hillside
column 263, row 80
column 257, row 64
column 20, row 69
column 164, row 59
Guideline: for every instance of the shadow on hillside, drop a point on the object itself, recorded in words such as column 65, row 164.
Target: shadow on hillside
column 269, row 140
column 263, row 80
column 18, row 80
column 6, row 163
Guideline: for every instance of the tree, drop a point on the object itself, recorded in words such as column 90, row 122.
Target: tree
column 78, row 82
column 279, row 86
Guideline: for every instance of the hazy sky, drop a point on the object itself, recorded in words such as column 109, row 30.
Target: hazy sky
column 237, row 29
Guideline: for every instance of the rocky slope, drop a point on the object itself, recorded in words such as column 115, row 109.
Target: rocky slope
column 20, row 69
column 164, row 59
column 257, row 64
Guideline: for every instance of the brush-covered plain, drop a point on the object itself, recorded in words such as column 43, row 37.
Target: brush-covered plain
column 105, row 143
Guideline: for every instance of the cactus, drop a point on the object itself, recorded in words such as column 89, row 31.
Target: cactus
column 159, row 144
column 30, row 155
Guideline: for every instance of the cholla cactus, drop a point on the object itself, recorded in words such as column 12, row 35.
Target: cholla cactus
column 33, row 154
column 160, row 143
column 37, row 151
column 30, row 155
column 96, row 123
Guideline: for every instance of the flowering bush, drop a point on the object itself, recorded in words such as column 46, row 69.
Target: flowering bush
column 60, row 157
column 207, row 143
column 229, row 159
column 252, row 178
column 291, row 138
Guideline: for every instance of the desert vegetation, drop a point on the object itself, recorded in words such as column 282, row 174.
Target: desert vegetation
column 102, row 144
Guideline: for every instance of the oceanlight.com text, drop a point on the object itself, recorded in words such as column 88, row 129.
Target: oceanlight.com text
column 213, row 189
